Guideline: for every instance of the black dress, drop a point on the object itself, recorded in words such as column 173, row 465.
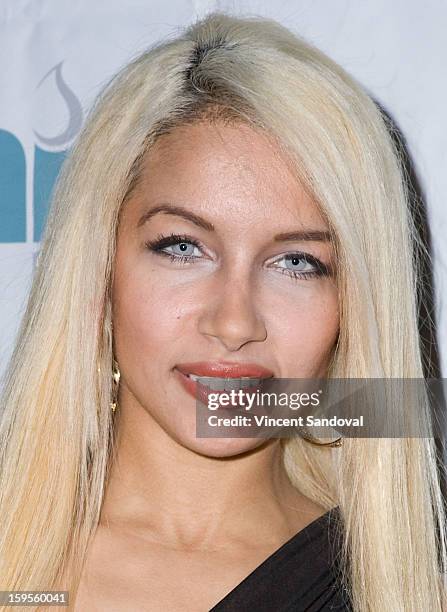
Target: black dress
column 301, row 576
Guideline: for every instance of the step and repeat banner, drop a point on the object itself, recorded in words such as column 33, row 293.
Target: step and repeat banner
column 56, row 56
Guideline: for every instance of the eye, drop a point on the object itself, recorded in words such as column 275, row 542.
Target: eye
column 302, row 265
column 184, row 248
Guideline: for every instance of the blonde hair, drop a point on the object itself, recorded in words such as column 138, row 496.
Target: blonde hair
column 57, row 433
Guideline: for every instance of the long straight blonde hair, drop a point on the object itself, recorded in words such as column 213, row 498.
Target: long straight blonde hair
column 57, row 432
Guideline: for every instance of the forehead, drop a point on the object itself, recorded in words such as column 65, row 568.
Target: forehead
column 222, row 169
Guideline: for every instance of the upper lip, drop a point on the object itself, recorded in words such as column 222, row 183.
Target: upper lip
column 224, row 369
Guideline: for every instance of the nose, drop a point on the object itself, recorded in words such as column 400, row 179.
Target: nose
column 232, row 316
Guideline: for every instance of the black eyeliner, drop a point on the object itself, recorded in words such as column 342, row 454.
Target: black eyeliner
column 321, row 268
column 162, row 241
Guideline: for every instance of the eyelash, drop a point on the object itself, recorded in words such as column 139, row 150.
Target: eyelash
column 162, row 242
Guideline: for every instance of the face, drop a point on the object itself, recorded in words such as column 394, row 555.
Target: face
column 211, row 267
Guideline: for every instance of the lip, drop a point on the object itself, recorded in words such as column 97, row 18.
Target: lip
column 224, row 369
column 200, row 391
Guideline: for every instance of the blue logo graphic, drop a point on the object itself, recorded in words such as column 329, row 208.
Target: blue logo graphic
column 12, row 189
column 47, row 162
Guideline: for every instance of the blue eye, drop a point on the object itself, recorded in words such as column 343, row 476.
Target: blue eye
column 298, row 265
column 302, row 265
column 183, row 247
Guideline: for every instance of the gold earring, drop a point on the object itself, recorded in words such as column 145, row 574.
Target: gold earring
column 116, row 375
column 331, row 443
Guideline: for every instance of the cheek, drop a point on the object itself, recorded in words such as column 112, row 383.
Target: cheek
column 152, row 312
column 305, row 330
column 144, row 315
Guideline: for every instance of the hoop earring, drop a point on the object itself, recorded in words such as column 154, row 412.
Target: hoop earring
column 332, row 443
column 116, row 375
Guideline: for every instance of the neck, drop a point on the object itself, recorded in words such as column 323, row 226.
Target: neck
column 185, row 499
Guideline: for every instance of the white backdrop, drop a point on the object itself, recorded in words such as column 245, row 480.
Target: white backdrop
column 56, row 54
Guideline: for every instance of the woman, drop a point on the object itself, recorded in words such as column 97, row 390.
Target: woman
column 234, row 207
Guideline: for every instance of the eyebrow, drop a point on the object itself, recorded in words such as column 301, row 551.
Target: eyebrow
column 170, row 209
column 179, row 211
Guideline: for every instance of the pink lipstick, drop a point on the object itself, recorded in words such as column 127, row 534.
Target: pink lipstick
column 220, row 377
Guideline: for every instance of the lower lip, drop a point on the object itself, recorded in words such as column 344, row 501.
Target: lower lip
column 200, row 392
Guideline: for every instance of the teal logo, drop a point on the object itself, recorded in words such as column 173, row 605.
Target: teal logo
column 49, row 153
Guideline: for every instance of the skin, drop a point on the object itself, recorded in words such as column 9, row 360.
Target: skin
column 179, row 510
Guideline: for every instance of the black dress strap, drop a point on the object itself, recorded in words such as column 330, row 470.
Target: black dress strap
column 301, row 576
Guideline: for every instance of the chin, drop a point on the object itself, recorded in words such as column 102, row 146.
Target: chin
column 223, row 447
